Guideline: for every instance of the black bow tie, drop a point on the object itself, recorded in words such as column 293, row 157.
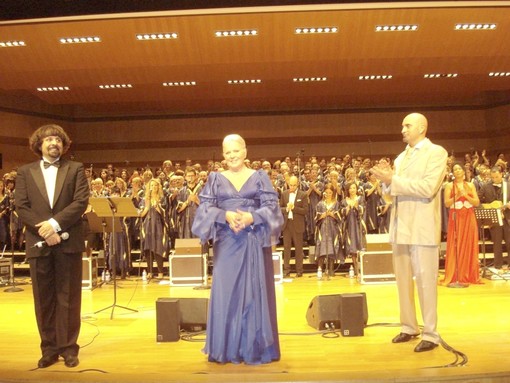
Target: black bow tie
column 48, row 164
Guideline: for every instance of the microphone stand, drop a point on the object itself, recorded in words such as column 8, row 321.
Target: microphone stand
column 455, row 284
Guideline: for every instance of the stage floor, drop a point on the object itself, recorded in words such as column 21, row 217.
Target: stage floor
column 473, row 320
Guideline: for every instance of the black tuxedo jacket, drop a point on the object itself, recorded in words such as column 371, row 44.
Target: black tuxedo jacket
column 487, row 194
column 70, row 201
column 299, row 211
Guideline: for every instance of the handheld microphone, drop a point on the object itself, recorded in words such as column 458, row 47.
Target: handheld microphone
column 64, row 236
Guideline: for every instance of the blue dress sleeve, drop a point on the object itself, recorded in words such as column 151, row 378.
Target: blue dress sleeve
column 208, row 212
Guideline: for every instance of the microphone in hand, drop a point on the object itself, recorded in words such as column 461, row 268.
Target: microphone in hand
column 64, row 236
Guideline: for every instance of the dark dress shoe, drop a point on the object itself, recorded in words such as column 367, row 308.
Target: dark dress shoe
column 425, row 345
column 299, row 275
column 71, row 360
column 403, row 337
column 47, row 361
column 286, row 275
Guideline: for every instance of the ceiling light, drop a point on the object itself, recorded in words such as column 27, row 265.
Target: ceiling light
column 52, row 88
column 397, row 28
column 440, row 75
column 236, row 33
column 376, row 77
column 10, row 44
column 180, row 83
column 499, row 74
column 115, row 86
column 156, row 36
column 238, row 82
column 80, row 40
column 309, row 79
column 311, row 30
column 475, row 26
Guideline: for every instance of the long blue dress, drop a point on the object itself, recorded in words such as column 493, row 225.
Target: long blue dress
column 241, row 326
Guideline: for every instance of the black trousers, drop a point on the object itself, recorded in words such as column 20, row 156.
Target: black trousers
column 498, row 234
column 56, row 285
column 290, row 236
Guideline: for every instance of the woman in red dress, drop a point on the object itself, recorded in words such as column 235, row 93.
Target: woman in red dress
column 462, row 240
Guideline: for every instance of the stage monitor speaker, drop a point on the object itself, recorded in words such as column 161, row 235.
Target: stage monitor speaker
column 167, row 320
column 352, row 314
column 325, row 311
column 193, row 313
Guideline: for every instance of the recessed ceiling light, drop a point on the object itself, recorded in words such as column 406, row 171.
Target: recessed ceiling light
column 180, row 83
column 237, row 33
column 313, row 30
column 499, row 74
column 52, row 88
column 239, row 82
column 10, row 44
column 397, row 28
column 376, row 77
column 440, row 75
column 156, row 36
column 309, row 79
column 80, row 40
column 475, row 26
column 115, row 86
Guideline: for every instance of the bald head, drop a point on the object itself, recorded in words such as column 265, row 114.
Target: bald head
column 414, row 128
column 293, row 183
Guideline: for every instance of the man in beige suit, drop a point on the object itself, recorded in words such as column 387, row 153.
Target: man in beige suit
column 415, row 227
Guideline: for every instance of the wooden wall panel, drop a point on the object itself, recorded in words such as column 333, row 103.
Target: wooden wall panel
column 325, row 135
column 136, row 143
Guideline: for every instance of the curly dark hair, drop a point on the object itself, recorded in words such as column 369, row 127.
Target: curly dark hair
column 36, row 139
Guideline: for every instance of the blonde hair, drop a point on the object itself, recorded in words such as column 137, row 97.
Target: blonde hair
column 236, row 138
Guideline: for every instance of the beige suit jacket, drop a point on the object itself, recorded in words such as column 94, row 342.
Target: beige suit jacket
column 415, row 189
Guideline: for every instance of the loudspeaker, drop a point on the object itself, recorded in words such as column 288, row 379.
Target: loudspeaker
column 325, row 311
column 167, row 320
column 351, row 314
column 193, row 313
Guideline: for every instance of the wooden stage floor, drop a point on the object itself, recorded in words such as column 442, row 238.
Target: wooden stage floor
column 474, row 321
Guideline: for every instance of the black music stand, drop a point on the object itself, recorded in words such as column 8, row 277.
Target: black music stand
column 111, row 210
column 487, row 217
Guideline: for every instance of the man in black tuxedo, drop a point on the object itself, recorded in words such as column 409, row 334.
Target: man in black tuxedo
column 51, row 196
column 294, row 205
column 498, row 190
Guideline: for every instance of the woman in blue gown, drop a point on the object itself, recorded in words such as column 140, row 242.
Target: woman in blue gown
column 240, row 213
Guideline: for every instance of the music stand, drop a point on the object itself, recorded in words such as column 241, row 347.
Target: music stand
column 111, row 210
column 487, row 217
